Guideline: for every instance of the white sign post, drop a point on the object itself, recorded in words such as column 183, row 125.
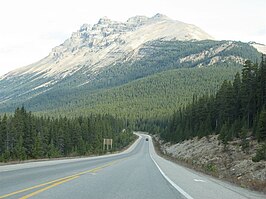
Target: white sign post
column 107, row 143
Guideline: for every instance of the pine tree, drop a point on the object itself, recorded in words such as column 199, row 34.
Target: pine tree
column 2, row 140
column 237, row 96
column 19, row 151
column 262, row 83
column 37, row 148
column 248, row 90
column 5, row 135
column 261, row 131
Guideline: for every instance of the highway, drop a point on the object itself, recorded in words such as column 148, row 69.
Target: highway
column 137, row 173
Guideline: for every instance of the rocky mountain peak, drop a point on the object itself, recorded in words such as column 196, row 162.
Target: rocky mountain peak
column 107, row 32
column 106, row 42
column 137, row 19
column 104, row 20
column 160, row 17
column 85, row 27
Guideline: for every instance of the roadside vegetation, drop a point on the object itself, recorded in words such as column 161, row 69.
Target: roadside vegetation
column 24, row 136
column 237, row 110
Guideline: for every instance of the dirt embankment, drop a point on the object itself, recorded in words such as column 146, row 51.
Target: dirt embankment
column 208, row 155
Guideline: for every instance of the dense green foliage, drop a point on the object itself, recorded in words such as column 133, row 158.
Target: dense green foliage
column 25, row 136
column 159, row 78
column 237, row 109
column 261, row 153
column 151, row 97
column 157, row 56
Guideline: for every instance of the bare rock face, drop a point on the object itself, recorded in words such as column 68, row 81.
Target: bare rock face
column 102, row 43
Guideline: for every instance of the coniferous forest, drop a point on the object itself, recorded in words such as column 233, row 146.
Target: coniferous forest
column 25, row 136
column 238, row 109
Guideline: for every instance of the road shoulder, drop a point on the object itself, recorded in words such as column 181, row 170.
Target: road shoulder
column 199, row 185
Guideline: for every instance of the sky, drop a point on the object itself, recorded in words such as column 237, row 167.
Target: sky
column 29, row 29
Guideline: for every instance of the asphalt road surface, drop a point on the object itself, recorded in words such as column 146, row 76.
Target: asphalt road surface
column 136, row 173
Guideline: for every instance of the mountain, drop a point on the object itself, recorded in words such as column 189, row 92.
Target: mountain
column 111, row 54
column 97, row 46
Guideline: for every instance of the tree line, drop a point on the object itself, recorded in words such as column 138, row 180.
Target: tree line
column 25, row 136
column 238, row 109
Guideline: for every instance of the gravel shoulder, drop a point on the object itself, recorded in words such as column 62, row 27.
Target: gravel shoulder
column 208, row 155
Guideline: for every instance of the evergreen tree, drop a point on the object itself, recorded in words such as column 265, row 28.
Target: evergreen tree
column 25, row 136
column 236, row 109
column 19, row 151
column 38, row 147
column 2, row 140
column 5, row 135
column 261, row 132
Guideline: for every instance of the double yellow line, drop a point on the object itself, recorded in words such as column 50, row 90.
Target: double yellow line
column 56, row 182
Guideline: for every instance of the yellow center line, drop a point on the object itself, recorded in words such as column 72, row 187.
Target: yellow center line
column 37, row 186
column 97, row 168
column 34, row 187
column 49, row 187
column 64, row 179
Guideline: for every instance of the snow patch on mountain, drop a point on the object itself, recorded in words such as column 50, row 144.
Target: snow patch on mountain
column 46, row 84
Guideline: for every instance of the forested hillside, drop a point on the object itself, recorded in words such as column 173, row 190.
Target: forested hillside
column 157, row 56
column 25, row 136
column 155, row 96
column 238, row 109
column 127, row 85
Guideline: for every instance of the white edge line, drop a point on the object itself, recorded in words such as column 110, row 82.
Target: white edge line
column 179, row 189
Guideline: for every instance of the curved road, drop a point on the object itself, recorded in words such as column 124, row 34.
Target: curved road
column 136, row 173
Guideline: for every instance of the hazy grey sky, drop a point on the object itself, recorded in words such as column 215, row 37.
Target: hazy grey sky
column 31, row 28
